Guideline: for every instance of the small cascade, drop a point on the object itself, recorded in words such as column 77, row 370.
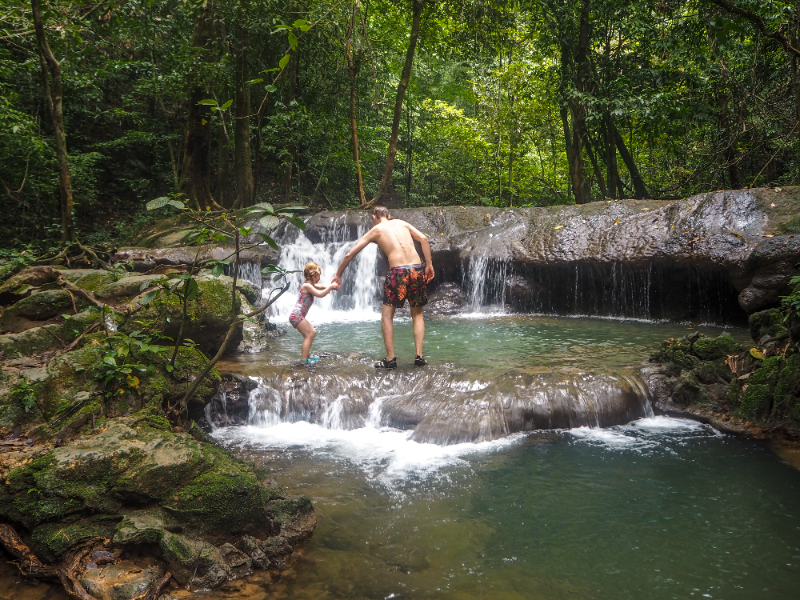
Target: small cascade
column 484, row 283
column 249, row 272
column 444, row 407
column 357, row 299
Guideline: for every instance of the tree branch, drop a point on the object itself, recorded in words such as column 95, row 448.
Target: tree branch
column 760, row 25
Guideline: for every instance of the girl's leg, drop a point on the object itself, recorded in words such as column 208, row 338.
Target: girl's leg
column 309, row 333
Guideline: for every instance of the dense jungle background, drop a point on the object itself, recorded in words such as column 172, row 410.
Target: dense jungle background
column 411, row 102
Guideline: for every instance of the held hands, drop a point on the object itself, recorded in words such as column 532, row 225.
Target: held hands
column 428, row 273
column 335, row 285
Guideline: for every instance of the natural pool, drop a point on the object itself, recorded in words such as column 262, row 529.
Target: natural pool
column 658, row 508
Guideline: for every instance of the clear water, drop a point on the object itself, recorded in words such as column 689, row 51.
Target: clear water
column 493, row 342
column 660, row 508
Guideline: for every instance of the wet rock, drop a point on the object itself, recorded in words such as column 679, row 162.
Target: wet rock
column 39, row 306
column 251, row 547
column 239, row 563
column 144, row 526
column 445, row 299
column 278, row 551
column 127, row 287
column 766, row 323
column 121, row 581
column 230, row 404
column 194, row 563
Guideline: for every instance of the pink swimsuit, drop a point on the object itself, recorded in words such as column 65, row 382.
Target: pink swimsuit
column 300, row 309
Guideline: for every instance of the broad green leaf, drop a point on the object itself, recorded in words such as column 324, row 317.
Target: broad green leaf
column 208, row 102
column 157, row 203
column 292, row 40
column 299, row 23
column 191, row 289
column 177, row 204
column 756, row 353
column 284, row 61
column 270, row 88
column 264, row 206
column 297, row 222
column 269, row 241
column 290, row 208
column 269, row 222
column 258, row 80
column 227, row 105
column 217, row 270
column 148, row 297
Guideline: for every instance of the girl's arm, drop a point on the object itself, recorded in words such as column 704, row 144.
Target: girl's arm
column 319, row 292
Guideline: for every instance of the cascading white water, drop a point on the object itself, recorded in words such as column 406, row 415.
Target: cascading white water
column 358, row 298
column 484, row 284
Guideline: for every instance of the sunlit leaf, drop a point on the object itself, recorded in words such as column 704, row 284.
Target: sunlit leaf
column 756, row 353
column 284, row 61
column 208, row 102
column 269, row 222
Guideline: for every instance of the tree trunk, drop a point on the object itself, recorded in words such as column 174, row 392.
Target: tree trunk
column 729, row 139
column 398, row 104
column 353, row 71
column 195, row 172
column 639, row 189
column 54, row 95
column 291, row 74
column 223, row 192
column 595, row 165
column 242, row 167
column 612, row 170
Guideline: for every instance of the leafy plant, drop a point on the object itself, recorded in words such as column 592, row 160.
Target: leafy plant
column 24, row 395
column 114, row 371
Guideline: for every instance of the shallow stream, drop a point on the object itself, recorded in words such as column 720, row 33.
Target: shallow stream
column 657, row 508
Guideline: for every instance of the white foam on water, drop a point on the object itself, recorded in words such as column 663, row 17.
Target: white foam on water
column 644, row 434
column 385, row 454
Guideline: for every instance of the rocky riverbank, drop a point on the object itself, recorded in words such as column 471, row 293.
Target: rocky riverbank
column 751, row 390
column 102, row 468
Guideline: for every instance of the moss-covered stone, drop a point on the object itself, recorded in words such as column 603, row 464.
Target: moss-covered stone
column 714, row 371
column 714, row 348
column 144, row 526
column 766, row 322
column 89, row 279
column 733, row 394
column 127, row 287
column 135, row 461
column 756, row 401
column 208, row 316
column 40, row 306
column 767, row 372
column 689, row 391
column 52, row 540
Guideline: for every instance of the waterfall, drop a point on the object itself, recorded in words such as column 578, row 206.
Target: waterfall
column 484, row 284
column 358, row 298
column 442, row 407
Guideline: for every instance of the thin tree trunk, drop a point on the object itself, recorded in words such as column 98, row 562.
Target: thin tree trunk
column 242, row 167
column 223, row 192
column 597, row 172
column 398, row 104
column 612, row 170
column 353, row 71
column 292, row 92
column 195, row 174
column 639, row 189
column 54, row 95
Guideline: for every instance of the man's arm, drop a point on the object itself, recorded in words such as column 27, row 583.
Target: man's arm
column 420, row 237
column 365, row 240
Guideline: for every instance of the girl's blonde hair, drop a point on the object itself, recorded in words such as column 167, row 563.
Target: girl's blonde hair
column 311, row 269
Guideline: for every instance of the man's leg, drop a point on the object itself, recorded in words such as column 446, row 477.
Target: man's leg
column 418, row 324
column 387, row 324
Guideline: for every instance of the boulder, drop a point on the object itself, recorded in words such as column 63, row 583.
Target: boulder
column 39, row 306
column 47, row 337
column 127, row 287
column 20, row 285
column 124, row 580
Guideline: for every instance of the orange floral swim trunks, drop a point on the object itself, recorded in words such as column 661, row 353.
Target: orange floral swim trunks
column 403, row 282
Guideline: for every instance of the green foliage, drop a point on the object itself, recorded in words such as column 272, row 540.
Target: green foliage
column 114, row 371
column 24, row 395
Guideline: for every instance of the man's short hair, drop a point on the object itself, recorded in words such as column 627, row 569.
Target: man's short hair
column 381, row 212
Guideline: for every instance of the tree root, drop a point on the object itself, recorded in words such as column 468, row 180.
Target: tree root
column 29, row 564
column 69, row 258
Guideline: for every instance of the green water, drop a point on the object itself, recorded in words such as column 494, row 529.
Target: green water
column 659, row 509
column 493, row 343
column 668, row 509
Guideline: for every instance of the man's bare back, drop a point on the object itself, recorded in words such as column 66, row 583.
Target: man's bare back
column 405, row 279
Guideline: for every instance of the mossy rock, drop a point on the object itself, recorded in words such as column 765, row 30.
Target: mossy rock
column 208, row 315
column 52, row 540
column 767, row 372
column 714, row 348
column 128, row 287
column 733, row 394
column 145, row 526
column 787, row 389
column 195, row 564
column 41, row 306
column 756, row 401
column 689, row 391
column 18, row 286
column 47, row 337
column 135, row 461
column 89, row 279
column 713, row 371
column 766, row 322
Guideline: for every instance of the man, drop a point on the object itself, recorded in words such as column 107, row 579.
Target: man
column 404, row 280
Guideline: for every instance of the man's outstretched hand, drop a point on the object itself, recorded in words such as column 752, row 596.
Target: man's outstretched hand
column 428, row 273
column 337, row 280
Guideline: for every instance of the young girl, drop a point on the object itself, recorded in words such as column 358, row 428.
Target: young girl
column 312, row 272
